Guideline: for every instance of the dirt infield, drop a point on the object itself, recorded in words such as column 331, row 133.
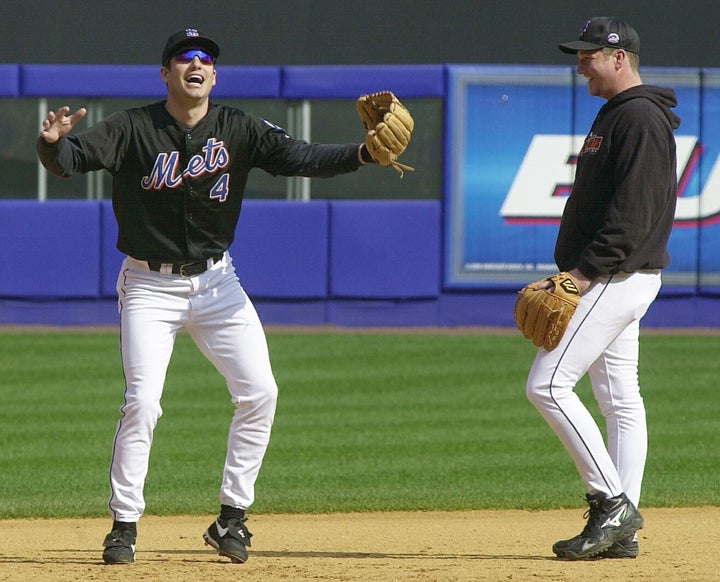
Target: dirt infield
column 676, row 544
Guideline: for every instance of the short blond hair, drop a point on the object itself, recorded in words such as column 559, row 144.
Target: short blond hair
column 633, row 58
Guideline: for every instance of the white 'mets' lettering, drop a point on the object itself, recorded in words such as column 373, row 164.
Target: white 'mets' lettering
column 165, row 174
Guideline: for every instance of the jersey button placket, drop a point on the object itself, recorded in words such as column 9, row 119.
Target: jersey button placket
column 189, row 193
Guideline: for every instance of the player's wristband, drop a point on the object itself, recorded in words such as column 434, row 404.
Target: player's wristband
column 364, row 155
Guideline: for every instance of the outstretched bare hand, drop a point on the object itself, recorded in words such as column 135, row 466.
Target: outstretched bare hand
column 58, row 125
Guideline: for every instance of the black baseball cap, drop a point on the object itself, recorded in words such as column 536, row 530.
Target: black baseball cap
column 604, row 31
column 187, row 39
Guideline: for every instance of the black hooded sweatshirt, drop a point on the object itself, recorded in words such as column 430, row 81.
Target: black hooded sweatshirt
column 620, row 213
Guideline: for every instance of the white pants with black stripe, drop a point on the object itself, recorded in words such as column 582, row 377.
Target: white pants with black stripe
column 602, row 340
column 214, row 309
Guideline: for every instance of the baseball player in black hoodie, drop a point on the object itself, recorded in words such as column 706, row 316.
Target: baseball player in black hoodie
column 613, row 239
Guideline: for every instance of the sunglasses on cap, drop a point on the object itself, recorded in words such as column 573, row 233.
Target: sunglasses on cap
column 188, row 56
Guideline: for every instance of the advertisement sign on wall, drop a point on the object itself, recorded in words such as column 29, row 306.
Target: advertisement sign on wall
column 511, row 144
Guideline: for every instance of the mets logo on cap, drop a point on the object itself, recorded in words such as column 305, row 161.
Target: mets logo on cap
column 613, row 38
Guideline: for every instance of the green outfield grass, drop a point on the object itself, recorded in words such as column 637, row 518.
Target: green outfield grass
column 365, row 422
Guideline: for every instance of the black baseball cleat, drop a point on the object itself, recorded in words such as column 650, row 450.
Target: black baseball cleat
column 627, row 548
column 610, row 519
column 230, row 540
column 119, row 547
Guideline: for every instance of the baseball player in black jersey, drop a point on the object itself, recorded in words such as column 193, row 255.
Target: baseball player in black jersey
column 613, row 239
column 179, row 169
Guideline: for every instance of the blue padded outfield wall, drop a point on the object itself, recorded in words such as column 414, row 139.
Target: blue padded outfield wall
column 510, row 136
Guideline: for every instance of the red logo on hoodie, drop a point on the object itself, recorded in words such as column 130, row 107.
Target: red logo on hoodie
column 591, row 145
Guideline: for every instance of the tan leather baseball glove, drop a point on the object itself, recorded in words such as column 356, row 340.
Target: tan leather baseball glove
column 543, row 315
column 389, row 126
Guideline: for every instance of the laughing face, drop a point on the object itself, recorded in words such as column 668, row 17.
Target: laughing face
column 600, row 70
column 189, row 77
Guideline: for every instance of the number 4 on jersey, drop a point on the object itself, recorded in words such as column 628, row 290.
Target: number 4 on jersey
column 221, row 189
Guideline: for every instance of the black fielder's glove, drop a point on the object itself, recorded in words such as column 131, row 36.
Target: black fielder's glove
column 389, row 126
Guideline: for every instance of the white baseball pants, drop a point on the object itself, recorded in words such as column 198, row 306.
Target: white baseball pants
column 214, row 309
column 602, row 340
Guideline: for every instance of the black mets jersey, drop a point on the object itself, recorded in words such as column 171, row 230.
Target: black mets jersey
column 177, row 192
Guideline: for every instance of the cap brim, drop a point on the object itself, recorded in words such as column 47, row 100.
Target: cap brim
column 578, row 45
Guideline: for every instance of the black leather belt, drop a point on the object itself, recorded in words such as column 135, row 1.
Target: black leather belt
column 185, row 269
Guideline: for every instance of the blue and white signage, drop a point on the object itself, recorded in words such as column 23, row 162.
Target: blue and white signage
column 512, row 138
